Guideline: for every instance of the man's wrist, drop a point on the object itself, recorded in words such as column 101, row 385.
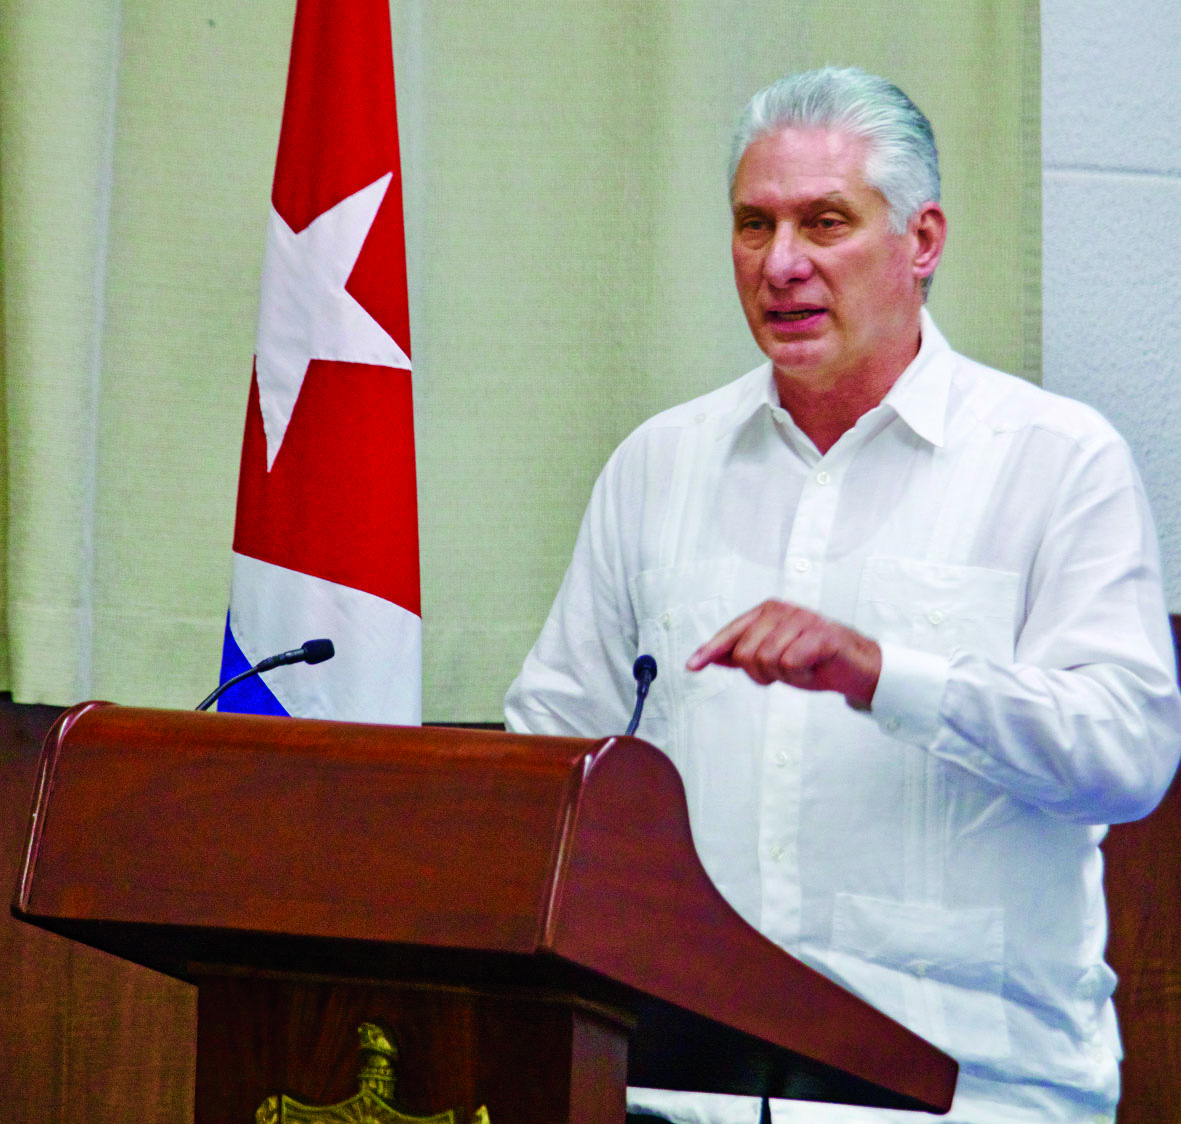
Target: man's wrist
column 868, row 671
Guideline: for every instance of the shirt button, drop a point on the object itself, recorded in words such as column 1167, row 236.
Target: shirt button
column 935, row 616
column 822, row 477
column 699, row 419
column 802, row 565
column 920, row 968
column 777, row 853
column 781, row 759
column 665, row 619
column 892, row 724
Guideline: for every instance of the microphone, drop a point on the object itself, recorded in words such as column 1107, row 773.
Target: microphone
column 644, row 670
column 312, row 651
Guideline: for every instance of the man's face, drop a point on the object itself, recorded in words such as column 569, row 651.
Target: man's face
column 831, row 294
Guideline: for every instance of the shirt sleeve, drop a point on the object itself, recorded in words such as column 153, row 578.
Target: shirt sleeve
column 577, row 679
column 1085, row 721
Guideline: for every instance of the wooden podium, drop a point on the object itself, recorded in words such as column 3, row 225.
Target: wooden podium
column 526, row 916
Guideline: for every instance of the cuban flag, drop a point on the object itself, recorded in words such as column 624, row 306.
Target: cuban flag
column 326, row 533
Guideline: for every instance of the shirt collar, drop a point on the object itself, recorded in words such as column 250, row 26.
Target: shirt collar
column 918, row 397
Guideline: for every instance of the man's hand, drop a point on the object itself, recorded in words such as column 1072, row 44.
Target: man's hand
column 778, row 642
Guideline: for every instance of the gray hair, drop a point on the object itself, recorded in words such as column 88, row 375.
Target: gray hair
column 903, row 163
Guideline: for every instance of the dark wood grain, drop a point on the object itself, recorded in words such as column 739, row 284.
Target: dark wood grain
column 1143, row 883
column 84, row 1036
column 453, row 856
column 528, row 1058
column 286, row 826
column 34, row 964
column 1143, row 879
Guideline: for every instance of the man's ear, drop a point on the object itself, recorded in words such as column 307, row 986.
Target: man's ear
column 929, row 228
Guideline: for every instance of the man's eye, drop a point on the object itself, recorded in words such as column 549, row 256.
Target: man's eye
column 828, row 222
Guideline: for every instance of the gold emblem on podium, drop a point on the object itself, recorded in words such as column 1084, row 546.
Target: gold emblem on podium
column 371, row 1104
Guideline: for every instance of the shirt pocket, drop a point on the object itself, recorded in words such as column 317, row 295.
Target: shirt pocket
column 938, row 971
column 678, row 608
column 708, row 721
column 938, row 607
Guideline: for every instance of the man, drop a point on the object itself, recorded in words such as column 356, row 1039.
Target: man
column 942, row 586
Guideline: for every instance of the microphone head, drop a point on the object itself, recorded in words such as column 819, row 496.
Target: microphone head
column 644, row 669
column 317, row 651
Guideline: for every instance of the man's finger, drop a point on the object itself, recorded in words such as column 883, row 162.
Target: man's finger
column 798, row 662
column 755, row 650
column 719, row 646
column 761, row 654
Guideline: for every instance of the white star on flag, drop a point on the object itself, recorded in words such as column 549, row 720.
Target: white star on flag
column 304, row 311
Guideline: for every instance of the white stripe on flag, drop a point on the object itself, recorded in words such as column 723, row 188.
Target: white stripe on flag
column 376, row 674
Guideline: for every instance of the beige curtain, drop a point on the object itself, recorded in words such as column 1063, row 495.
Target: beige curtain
column 567, row 228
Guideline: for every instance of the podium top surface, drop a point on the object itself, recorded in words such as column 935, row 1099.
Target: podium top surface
column 157, row 823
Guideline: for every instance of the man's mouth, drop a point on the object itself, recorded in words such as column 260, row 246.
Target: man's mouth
column 794, row 316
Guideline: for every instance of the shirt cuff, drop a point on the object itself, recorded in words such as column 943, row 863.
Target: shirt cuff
column 909, row 693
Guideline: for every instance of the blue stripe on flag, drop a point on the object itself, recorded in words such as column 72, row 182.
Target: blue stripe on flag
column 250, row 697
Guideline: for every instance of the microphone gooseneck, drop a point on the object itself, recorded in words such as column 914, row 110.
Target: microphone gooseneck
column 644, row 671
column 312, row 651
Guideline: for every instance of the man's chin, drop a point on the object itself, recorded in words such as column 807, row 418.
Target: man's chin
column 800, row 358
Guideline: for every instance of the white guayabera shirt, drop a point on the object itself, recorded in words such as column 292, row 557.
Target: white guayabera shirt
column 940, row 855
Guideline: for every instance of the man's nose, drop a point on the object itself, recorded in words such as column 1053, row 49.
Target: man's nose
column 787, row 258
